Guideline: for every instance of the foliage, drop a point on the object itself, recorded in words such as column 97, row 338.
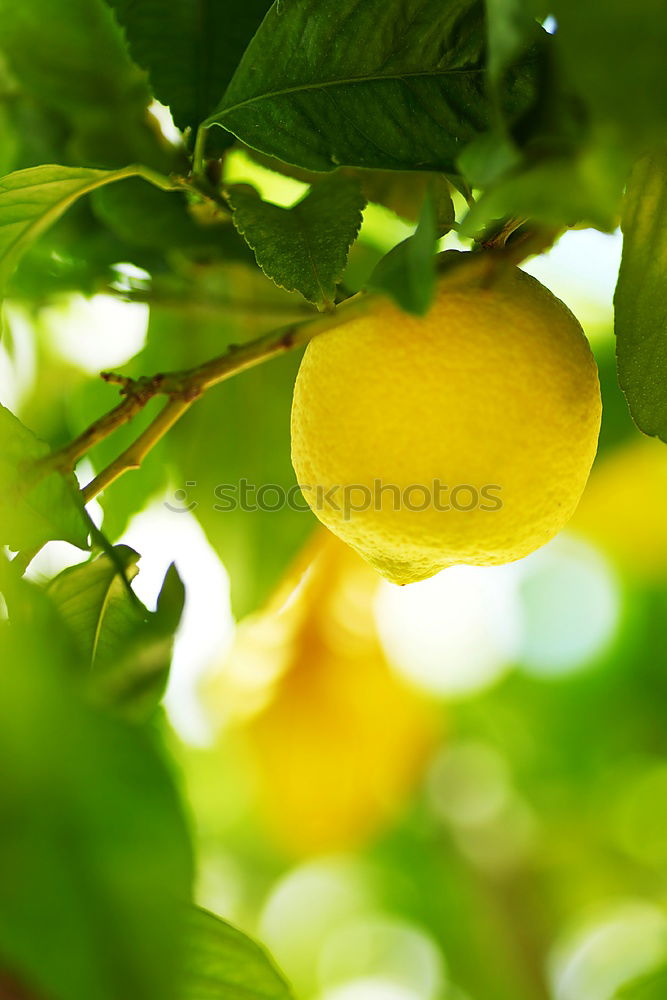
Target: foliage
column 473, row 121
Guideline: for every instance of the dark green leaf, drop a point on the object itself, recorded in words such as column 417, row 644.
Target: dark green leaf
column 650, row 987
column 32, row 200
column 511, row 27
column 640, row 302
column 34, row 510
column 126, row 649
column 303, row 248
column 71, row 56
column 226, row 964
column 95, row 863
column 144, row 216
column 397, row 85
column 189, row 47
column 407, row 273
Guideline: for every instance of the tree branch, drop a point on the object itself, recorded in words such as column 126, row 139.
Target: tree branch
column 182, row 389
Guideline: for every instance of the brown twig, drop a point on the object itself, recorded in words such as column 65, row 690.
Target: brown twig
column 182, row 388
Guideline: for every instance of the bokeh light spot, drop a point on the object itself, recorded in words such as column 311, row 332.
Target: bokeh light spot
column 454, row 634
column 383, row 948
column 595, row 960
column 571, row 606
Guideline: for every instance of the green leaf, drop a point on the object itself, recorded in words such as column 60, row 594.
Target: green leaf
column 223, row 962
column 650, row 987
column 70, row 56
column 126, row 649
column 403, row 192
column 640, row 301
column 34, row 511
column 561, row 191
column 407, row 273
column 303, row 248
column 189, row 47
column 511, row 27
column 143, row 216
column 397, row 85
column 95, row 863
column 32, row 200
column 614, row 55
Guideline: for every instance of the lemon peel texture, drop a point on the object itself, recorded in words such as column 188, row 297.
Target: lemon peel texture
column 465, row 436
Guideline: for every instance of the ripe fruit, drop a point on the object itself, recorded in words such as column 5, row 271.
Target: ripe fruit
column 465, row 436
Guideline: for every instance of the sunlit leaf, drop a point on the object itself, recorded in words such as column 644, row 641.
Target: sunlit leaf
column 222, row 962
column 32, row 200
column 34, row 510
column 303, row 248
column 126, row 649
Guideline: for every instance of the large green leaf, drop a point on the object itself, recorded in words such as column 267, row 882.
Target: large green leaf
column 95, row 864
column 125, row 649
column 70, row 56
column 226, row 964
column 189, row 47
column 640, row 302
column 395, row 84
column 34, row 510
column 32, row 200
column 303, row 248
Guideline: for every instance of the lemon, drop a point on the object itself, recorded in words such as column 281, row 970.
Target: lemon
column 464, row 436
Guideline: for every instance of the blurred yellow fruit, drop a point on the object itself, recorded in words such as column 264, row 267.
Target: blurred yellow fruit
column 624, row 508
column 465, row 436
column 342, row 741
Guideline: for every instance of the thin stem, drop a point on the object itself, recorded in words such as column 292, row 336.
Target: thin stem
column 133, row 456
column 212, row 305
column 198, row 152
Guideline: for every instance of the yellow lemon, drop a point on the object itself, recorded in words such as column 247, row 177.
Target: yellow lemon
column 464, row 436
